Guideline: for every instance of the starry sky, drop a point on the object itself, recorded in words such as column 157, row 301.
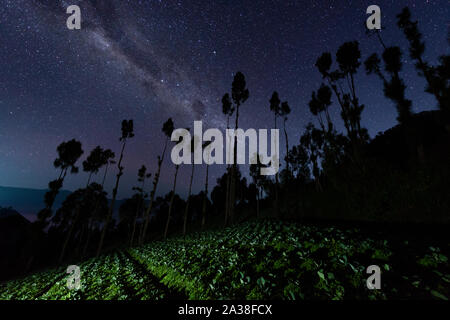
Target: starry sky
column 150, row 60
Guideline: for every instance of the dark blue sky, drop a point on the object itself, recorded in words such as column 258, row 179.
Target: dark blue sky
column 148, row 60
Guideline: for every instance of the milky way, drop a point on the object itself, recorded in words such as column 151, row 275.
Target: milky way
column 150, row 60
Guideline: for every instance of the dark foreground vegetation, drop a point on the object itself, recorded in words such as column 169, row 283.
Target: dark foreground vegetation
column 264, row 259
column 397, row 183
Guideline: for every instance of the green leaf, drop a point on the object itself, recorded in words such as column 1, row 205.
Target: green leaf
column 438, row 295
column 321, row 275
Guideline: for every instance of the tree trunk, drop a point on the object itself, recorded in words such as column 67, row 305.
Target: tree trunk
column 380, row 39
column 227, row 196
column 186, row 210
column 104, row 176
column 166, row 230
column 227, row 193
column 69, row 234
column 88, row 238
column 422, row 66
column 135, row 222
column 93, row 213
column 80, row 240
column 234, row 171
column 336, row 92
column 152, row 195
column 277, row 213
column 89, row 179
column 287, row 145
column 138, row 209
column 205, row 199
column 257, row 202
column 111, row 208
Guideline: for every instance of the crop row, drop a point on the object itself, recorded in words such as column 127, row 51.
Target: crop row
column 30, row 287
column 254, row 260
column 272, row 260
column 109, row 277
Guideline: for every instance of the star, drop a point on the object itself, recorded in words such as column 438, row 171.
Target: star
column 151, row 60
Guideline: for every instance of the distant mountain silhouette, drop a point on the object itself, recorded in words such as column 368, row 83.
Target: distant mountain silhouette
column 9, row 216
column 14, row 232
column 29, row 201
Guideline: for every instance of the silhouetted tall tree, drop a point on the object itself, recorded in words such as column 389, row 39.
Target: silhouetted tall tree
column 285, row 110
column 167, row 128
column 172, row 195
column 142, row 176
column 438, row 78
column 96, row 217
column 194, row 140
column 107, row 157
column 394, row 88
column 239, row 94
column 205, row 193
column 77, row 209
column 348, row 58
column 312, row 142
column 127, row 133
column 276, row 109
column 319, row 104
column 68, row 154
column 93, row 162
column 299, row 160
column 258, row 180
column 227, row 109
column 127, row 216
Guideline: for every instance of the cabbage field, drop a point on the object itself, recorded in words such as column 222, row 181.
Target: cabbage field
column 254, row 260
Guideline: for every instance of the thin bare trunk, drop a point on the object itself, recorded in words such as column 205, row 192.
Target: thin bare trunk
column 61, row 173
column 205, row 199
column 338, row 95
column 186, row 210
column 166, row 230
column 104, row 176
column 234, row 171
column 152, row 195
column 57, row 191
column 80, row 240
column 135, row 221
column 287, row 144
column 138, row 209
column 227, row 196
column 69, row 234
column 227, row 193
column 86, row 245
column 111, row 208
column 257, row 201
column 277, row 213
column 97, row 202
column 89, row 179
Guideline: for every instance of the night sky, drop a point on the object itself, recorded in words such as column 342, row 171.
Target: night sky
column 150, row 60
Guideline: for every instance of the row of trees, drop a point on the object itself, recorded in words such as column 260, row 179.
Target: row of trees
column 325, row 166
